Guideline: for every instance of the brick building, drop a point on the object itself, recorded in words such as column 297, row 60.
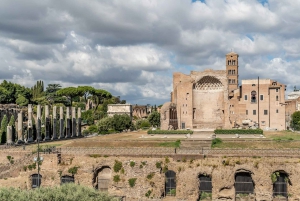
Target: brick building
column 213, row 99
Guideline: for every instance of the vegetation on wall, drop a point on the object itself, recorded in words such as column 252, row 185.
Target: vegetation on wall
column 238, row 131
column 295, row 122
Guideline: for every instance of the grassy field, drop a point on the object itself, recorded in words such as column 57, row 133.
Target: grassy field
column 272, row 140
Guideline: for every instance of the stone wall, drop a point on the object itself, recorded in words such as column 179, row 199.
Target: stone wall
column 222, row 170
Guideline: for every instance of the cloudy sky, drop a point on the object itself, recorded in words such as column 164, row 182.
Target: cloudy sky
column 131, row 48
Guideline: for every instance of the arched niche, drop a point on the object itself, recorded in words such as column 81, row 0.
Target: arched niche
column 170, row 183
column 67, row 179
column 36, row 180
column 102, row 178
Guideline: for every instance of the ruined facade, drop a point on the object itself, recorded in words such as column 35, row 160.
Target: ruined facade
column 119, row 109
column 141, row 111
column 213, row 99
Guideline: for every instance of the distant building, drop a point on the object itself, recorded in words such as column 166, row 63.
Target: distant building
column 213, row 99
column 141, row 111
column 119, row 109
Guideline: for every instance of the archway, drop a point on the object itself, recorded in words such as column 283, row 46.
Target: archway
column 67, row 179
column 103, row 178
column 280, row 181
column 170, row 183
column 36, row 180
column 205, row 187
column 243, row 184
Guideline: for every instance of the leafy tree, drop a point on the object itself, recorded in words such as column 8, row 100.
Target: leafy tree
column 295, row 122
column 105, row 124
column 66, row 192
column 69, row 92
column 99, row 96
column 22, row 101
column 4, row 124
column 85, row 91
column 51, row 95
column 38, row 89
column 121, row 122
column 12, row 124
column 154, row 118
column 142, row 123
column 88, row 117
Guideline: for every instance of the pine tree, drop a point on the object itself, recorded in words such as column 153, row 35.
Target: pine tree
column 4, row 124
column 12, row 124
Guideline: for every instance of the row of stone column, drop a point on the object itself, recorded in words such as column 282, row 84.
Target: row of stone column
column 71, row 122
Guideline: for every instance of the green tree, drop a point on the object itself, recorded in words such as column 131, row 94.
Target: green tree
column 154, row 118
column 69, row 92
column 295, row 122
column 51, row 95
column 22, row 101
column 105, row 124
column 99, row 96
column 4, row 124
column 121, row 122
column 38, row 90
column 12, row 124
column 85, row 91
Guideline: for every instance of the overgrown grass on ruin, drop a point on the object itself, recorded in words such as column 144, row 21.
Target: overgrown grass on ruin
column 175, row 144
column 66, row 192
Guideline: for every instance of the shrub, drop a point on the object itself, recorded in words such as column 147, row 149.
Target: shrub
column 117, row 178
column 73, row 170
column 117, row 166
column 67, row 192
column 132, row 163
column 238, row 131
column 167, row 160
column 150, row 176
column 158, row 164
column 132, row 182
column 165, row 169
column 215, row 142
column 148, row 193
column 170, row 132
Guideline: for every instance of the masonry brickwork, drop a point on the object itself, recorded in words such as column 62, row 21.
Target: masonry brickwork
column 213, row 99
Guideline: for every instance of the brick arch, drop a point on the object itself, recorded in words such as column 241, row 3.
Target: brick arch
column 208, row 83
column 102, row 173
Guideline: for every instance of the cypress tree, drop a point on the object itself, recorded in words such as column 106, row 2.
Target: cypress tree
column 4, row 124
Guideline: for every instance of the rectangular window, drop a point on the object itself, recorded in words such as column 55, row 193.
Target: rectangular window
column 233, row 72
column 276, row 98
column 277, row 111
column 229, row 72
column 277, row 90
column 261, row 97
column 194, row 111
column 265, row 112
column 233, row 81
column 254, row 112
column 246, row 112
column 229, row 81
column 246, row 97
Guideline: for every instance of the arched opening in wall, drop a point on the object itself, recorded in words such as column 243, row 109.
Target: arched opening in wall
column 36, row 180
column 280, row 181
column 67, row 179
column 170, row 183
column 208, row 83
column 205, row 187
column 103, row 178
column 244, row 185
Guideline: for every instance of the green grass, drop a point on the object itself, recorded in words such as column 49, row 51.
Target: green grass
column 175, row 144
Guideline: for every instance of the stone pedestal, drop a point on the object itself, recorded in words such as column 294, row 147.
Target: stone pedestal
column 61, row 122
column 47, row 123
column 9, row 135
column 68, row 123
column 29, row 130
column 79, row 122
column 54, row 136
column 74, row 122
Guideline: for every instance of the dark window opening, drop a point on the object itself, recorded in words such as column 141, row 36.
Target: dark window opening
column 261, row 97
column 277, row 98
column 253, row 97
column 277, row 111
column 246, row 112
column 194, row 112
column 280, row 185
column 36, row 180
column 170, row 184
column 243, row 183
column 205, row 187
column 254, row 112
column 67, row 179
column 246, row 97
column 265, row 112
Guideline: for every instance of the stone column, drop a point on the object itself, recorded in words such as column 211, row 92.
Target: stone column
column 20, row 127
column 61, row 122
column 9, row 135
column 38, row 123
column 68, row 123
column 54, row 136
column 79, row 122
column 74, row 122
column 47, row 123
column 29, row 130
